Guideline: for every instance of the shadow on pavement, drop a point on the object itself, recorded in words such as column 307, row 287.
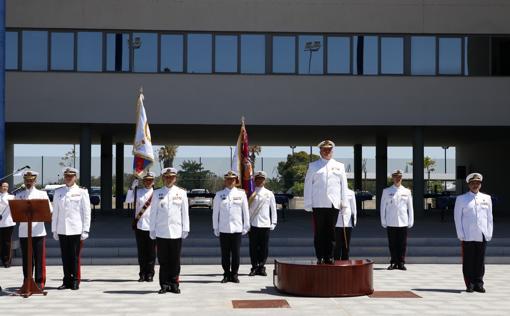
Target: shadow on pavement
column 439, row 290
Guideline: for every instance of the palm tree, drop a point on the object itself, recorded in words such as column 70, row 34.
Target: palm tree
column 428, row 164
column 166, row 154
column 254, row 151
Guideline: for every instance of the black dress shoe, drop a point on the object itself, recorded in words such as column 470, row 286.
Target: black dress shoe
column 262, row 271
column 234, row 279
column 253, row 272
column 479, row 289
column 63, row 287
column 469, row 289
column 75, row 286
column 163, row 290
column 149, row 278
column 320, row 261
column 174, row 288
column 7, row 264
column 225, row 279
column 391, row 266
column 328, row 261
column 401, row 266
column 141, row 279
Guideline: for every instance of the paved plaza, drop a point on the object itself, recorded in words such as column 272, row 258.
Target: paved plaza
column 113, row 290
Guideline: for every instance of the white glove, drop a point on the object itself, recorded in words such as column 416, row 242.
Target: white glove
column 216, row 233
column 152, row 235
column 244, row 232
column 308, row 209
column 272, row 226
column 134, row 184
column 185, row 235
column 84, row 236
column 55, row 235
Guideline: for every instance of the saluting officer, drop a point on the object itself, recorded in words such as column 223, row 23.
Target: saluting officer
column 38, row 231
column 141, row 224
column 70, row 225
column 6, row 224
column 169, row 225
column 230, row 219
column 397, row 215
column 263, row 218
column 325, row 195
column 474, row 225
column 346, row 221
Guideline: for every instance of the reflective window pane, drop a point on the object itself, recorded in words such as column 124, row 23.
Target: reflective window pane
column 477, row 56
column 199, row 53
column 500, row 56
column 62, row 51
column 450, row 56
column 225, row 53
column 145, row 48
column 423, row 55
column 117, row 51
column 35, row 51
column 365, row 58
column 311, row 54
column 392, row 55
column 90, row 51
column 339, row 55
column 11, row 50
column 172, row 53
column 253, row 54
column 284, row 54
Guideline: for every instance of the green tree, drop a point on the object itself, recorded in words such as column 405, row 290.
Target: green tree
column 166, row 155
column 428, row 164
column 294, row 170
column 193, row 175
column 69, row 158
column 255, row 151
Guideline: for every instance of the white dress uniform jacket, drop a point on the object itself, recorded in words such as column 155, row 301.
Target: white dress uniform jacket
column 473, row 216
column 71, row 211
column 5, row 210
column 325, row 185
column 38, row 229
column 230, row 211
column 350, row 213
column 169, row 213
column 397, row 207
column 263, row 208
column 142, row 195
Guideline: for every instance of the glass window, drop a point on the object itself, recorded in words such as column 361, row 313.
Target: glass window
column 172, row 53
column 11, row 50
column 423, row 55
column 392, row 55
column 225, row 53
column 339, row 55
column 365, row 58
column 253, row 54
column 450, row 56
column 117, row 51
column 62, row 51
column 500, row 56
column 90, row 51
column 199, row 53
column 145, row 48
column 477, row 56
column 284, row 54
column 311, row 54
column 35, row 50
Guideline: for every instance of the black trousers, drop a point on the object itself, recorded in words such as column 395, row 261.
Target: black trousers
column 342, row 245
column 397, row 241
column 6, row 244
column 230, row 253
column 473, row 262
column 259, row 245
column 324, row 220
column 70, row 248
column 169, row 258
column 146, row 252
column 38, row 259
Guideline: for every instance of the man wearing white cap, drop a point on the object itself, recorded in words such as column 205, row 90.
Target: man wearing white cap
column 397, row 215
column 38, row 231
column 325, row 195
column 474, row 225
column 169, row 225
column 344, row 225
column 146, row 247
column 70, row 225
column 230, row 219
column 6, row 224
column 263, row 218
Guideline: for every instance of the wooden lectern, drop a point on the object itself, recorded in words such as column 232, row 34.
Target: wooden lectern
column 28, row 211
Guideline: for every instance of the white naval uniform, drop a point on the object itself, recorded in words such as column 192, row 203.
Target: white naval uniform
column 169, row 216
column 6, row 229
column 38, row 229
column 397, row 207
column 5, row 210
column 325, row 185
column 350, row 213
column 230, row 211
column 263, row 208
column 142, row 195
column 473, row 217
column 71, row 211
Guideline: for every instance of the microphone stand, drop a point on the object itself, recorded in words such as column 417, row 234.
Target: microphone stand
column 11, row 174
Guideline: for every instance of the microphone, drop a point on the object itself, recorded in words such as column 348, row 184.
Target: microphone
column 20, row 188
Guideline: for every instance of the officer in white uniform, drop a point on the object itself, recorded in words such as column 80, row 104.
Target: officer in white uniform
column 169, row 225
column 230, row 220
column 263, row 218
column 474, row 225
column 344, row 225
column 325, row 195
column 141, row 225
column 38, row 231
column 6, row 225
column 70, row 225
column 397, row 215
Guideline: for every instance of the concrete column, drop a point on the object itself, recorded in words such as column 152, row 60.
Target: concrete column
column 85, row 156
column 106, row 171
column 358, row 171
column 9, row 163
column 381, row 166
column 119, row 176
column 418, row 170
column 3, row 169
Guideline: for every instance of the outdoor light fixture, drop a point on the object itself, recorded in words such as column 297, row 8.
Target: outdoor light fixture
column 312, row 47
column 136, row 43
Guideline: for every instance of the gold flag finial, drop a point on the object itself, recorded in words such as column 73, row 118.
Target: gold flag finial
column 141, row 90
column 242, row 120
